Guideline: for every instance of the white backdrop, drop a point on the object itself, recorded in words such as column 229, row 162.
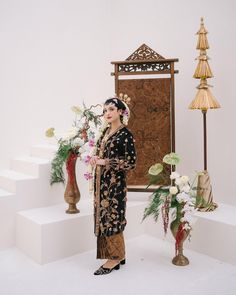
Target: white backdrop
column 54, row 54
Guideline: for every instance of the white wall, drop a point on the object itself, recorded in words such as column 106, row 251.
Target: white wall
column 54, row 53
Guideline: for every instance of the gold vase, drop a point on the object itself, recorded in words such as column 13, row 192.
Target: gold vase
column 180, row 235
column 72, row 193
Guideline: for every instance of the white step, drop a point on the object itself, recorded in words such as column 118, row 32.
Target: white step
column 29, row 193
column 4, row 193
column 10, row 180
column 48, row 234
column 8, row 206
column 29, row 165
column 224, row 214
column 138, row 196
column 214, row 233
column 46, row 151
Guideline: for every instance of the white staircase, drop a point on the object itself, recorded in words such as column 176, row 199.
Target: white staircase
column 32, row 216
column 25, row 186
column 30, row 165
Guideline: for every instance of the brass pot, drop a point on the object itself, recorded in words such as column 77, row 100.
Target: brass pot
column 180, row 235
column 72, row 193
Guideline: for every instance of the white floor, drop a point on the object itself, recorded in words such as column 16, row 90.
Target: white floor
column 148, row 270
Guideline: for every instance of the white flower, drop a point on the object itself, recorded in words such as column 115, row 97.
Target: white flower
column 192, row 200
column 187, row 218
column 126, row 115
column 174, row 175
column 76, row 109
column 185, row 188
column 78, row 142
column 187, row 226
column 82, row 149
column 72, row 132
column 79, row 125
column 178, row 181
column 173, row 190
column 182, row 197
column 86, row 147
column 103, row 126
column 188, row 208
column 185, row 179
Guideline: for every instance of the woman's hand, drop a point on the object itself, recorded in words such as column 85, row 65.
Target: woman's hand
column 101, row 162
column 95, row 160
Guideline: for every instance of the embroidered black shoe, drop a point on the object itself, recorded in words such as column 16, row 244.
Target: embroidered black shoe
column 122, row 261
column 104, row 271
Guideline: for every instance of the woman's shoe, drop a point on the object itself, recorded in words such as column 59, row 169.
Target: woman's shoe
column 104, row 271
column 122, row 261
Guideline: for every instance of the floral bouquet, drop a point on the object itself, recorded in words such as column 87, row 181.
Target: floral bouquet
column 79, row 141
column 179, row 198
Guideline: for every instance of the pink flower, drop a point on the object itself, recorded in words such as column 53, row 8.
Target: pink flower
column 91, row 142
column 87, row 159
column 88, row 175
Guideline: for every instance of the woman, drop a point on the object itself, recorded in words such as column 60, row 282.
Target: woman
column 115, row 155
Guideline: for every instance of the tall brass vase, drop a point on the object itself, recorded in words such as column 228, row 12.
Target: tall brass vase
column 179, row 259
column 72, row 193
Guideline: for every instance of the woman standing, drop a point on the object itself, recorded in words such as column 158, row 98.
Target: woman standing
column 115, row 155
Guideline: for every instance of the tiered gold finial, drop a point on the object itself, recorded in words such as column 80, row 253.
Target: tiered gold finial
column 204, row 99
column 202, row 38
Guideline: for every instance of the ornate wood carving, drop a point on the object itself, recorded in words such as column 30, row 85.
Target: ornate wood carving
column 149, row 122
column 144, row 52
column 147, row 67
column 152, row 108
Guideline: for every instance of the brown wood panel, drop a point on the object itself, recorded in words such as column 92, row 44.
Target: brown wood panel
column 150, row 122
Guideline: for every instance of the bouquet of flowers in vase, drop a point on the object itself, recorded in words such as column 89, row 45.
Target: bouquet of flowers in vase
column 178, row 200
column 78, row 141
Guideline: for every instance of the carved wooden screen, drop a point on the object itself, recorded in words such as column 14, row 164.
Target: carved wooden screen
column 152, row 109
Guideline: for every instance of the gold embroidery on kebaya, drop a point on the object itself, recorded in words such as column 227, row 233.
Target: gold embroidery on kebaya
column 110, row 192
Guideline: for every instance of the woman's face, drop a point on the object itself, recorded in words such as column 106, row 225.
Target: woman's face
column 111, row 113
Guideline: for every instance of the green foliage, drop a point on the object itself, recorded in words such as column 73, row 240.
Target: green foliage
column 155, row 169
column 91, row 116
column 153, row 179
column 200, row 202
column 154, row 206
column 57, row 174
column 171, row 159
column 174, row 203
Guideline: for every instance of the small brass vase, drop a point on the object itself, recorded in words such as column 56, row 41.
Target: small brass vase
column 72, row 193
column 179, row 259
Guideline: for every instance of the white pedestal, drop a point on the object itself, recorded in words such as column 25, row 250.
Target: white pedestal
column 213, row 233
column 48, row 234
